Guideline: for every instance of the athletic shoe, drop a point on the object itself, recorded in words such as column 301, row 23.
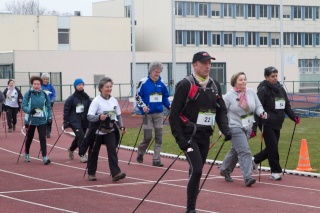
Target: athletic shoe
column 254, row 167
column 71, row 156
column 140, row 158
column 250, row 181
column 92, row 177
column 275, row 176
column 48, row 136
column 26, row 158
column 226, row 176
column 46, row 160
column 157, row 163
column 119, row 176
column 83, row 159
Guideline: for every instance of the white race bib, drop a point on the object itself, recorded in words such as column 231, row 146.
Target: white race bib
column 155, row 98
column 247, row 121
column 79, row 108
column 39, row 113
column 206, row 118
column 280, row 103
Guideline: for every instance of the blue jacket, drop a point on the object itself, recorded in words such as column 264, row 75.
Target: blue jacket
column 51, row 92
column 146, row 88
column 36, row 99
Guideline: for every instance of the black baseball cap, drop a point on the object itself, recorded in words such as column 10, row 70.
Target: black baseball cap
column 201, row 56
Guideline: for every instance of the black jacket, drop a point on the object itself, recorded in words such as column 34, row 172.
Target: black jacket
column 70, row 117
column 267, row 93
column 204, row 101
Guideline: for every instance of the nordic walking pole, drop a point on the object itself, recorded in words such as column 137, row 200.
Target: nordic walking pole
column 135, row 144
column 55, row 121
column 262, row 129
column 157, row 182
column 54, row 143
column 119, row 143
column 294, row 129
column 25, row 138
column 215, row 141
column 212, row 164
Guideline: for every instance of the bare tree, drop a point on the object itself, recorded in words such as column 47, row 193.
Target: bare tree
column 31, row 7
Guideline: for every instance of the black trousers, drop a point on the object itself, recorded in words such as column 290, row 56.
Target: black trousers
column 11, row 116
column 42, row 137
column 79, row 132
column 196, row 159
column 110, row 141
column 271, row 152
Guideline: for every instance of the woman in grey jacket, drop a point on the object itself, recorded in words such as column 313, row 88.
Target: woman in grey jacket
column 241, row 103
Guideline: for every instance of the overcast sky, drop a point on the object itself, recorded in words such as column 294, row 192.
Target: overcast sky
column 61, row 6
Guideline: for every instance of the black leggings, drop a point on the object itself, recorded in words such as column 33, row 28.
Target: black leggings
column 11, row 116
column 42, row 137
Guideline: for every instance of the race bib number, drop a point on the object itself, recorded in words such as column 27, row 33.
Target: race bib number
column 155, row 98
column 39, row 113
column 80, row 108
column 280, row 103
column 247, row 121
column 206, row 118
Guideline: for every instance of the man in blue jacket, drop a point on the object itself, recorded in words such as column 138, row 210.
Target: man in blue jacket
column 152, row 93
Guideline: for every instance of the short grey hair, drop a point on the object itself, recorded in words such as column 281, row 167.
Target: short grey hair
column 103, row 81
column 45, row 75
column 154, row 65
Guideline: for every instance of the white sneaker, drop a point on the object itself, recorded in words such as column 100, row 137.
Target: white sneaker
column 275, row 176
column 83, row 159
column 254, row 166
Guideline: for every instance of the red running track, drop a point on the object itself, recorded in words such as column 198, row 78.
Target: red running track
column 59, row 187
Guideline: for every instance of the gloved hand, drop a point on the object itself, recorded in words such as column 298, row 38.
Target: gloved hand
column 65, row 125
column 33, row 111
column 253, row 134
column 183, row 145
column 49, row 121
column 227, row 136
column 297, row 120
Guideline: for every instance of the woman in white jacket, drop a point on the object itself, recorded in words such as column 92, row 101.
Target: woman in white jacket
column 241, row 103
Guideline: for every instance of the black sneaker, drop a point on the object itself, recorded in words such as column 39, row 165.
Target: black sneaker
column 157, row 163
column 226, row 176
column 250, row 181
column 140, row 158
column 92, row 177
column 118, row 177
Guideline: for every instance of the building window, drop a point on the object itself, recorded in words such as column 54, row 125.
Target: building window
column 275, row 39
column 203, row 9
column 190, row 8
column 297, row 39
column 179, row 36
column 263, row 11
column 286, row 39
column 308, row 13
column 178, row 8
column 215, row 38
column 251, row 10
column 227, row 37
column 274, row 11
column 203, row 35
column 308, row 39
column 127, row 11
column 297, row 12
column 191, row 37
column 252, row 38
column 240, row 10
column 317, row 39
column 63, row 36
column 215, row 9
column 240, row 39
column 286, row 12
column 227, row 11
column 263, row 39
column 317, row 12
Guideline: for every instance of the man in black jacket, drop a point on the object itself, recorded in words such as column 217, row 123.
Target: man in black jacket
column 275, row 102
column 197, row 104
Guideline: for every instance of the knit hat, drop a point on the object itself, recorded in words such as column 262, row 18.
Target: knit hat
column 77, row 81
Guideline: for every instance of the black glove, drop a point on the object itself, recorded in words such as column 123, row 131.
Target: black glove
column 227, row 136
column 66, row 125
column 184, row 145
column 52, row 104
column 4, row 107
column 49, row 121
column 33, row 111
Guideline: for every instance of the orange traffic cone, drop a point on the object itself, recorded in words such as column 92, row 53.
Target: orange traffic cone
column 304, row 161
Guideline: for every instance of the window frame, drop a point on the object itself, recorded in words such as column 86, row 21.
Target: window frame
column 203, row 9
column 190, row 8
column 61, row 36
column 191, row 37
column 251, row 11
column 264, row 11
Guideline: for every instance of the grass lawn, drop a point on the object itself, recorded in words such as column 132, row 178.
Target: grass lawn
column 307, row 129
